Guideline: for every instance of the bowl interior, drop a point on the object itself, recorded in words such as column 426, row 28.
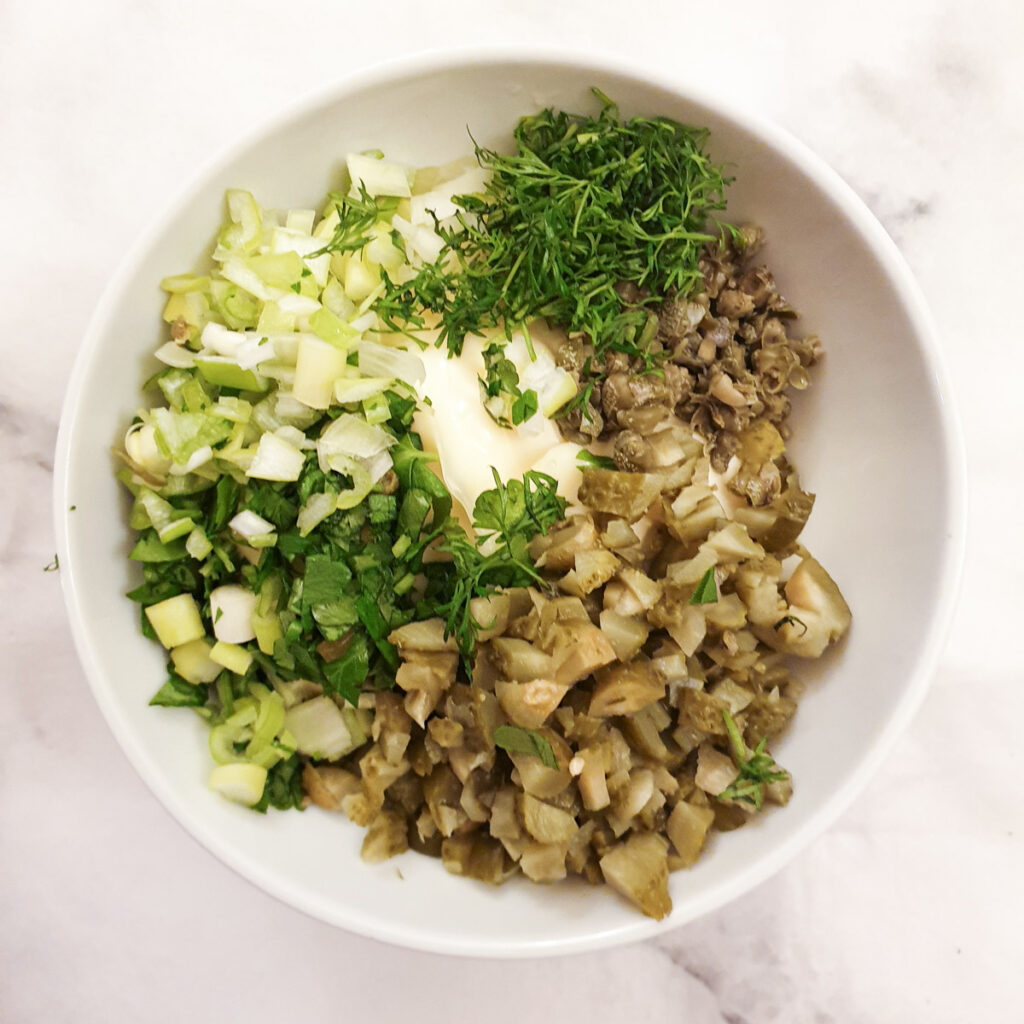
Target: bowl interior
column 873, row 438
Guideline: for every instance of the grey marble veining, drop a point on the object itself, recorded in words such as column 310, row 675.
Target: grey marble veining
column 906, row 910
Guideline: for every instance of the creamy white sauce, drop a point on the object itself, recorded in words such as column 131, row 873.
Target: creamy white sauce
column 469, row 444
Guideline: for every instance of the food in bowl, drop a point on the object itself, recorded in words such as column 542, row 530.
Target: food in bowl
column 466, row 508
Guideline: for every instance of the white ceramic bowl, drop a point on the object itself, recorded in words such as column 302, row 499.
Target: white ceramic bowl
column 875, row 438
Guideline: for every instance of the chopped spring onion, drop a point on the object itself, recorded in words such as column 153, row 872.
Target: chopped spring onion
column 378, row 177
column 231, row 608
column 382, row 361
column 276, row 459
column 253, row 529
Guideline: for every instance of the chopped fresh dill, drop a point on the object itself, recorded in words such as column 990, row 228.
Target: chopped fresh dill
column 582, row 207
column 356, row 217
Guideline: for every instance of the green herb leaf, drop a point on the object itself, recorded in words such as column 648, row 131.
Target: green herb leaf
column 525, row 741
column 510, row 514
column 757, row 768
column 149, row 548
column 178, row 693
column 333, row 617
column 345, row 675
column 269, row 501
column 792, row 620
column 378, row 626
column 412, row 467
column 524, row 406
column 224, row 503
column 520, row 508
column 706, row 591
column 382, row 508
column 324, row 580
column 283, row 789
column 588, row 460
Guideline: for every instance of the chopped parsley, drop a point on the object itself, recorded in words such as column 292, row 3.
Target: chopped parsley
column 506, row 518
column 500, row 394
column 515, row 740
column 706, row 591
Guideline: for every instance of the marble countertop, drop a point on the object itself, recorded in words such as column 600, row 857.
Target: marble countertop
column 907, row 910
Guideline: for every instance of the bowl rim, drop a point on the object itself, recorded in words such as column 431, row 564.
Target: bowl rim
column 888, row 258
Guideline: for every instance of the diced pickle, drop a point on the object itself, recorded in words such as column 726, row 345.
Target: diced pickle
column 638, row 868
column 386, row 836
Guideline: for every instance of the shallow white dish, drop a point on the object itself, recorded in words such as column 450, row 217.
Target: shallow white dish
column 875, row 438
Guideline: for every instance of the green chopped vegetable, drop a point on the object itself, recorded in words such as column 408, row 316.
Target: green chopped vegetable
column 757, row 768
column 508, row 517
column 517, row 740
column 706, row 591
column 588, row 460
column 324, row 580
column 179, row 693
column 500, row 393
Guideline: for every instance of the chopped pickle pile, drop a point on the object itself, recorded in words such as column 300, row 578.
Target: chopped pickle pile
column 579, row 670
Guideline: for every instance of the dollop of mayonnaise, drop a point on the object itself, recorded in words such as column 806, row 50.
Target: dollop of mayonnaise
column 470, row 445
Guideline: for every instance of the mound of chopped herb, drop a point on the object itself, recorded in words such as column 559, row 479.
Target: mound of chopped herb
column 583, row 206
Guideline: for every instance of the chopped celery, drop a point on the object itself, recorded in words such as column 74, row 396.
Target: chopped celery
column 276, row 459
column 278, row 269
column 378, row 177
column 169, row 522
column 181, row 283
column 241, row 783
column 348, row 390
column 301, row 221
column 331, row 328
column 376, row 409
column 192, row 661
column 316, row 509
column 246, row 228
column 231, row 656
column 180, row 434
column 318, row 366
column 198, row 544
column 361, row 277
column 227, row 374
column 176, row 620
column 319, row 729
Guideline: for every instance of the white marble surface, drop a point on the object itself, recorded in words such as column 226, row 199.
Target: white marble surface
column 907, row 910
